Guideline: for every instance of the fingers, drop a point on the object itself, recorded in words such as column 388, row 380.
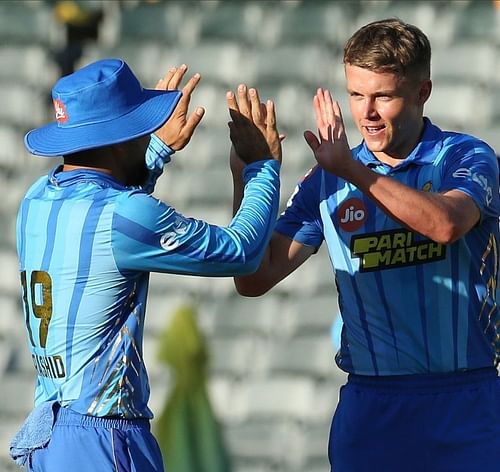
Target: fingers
column 244, row 102
column 174, row 77
column 263, row 111
column 234, row 109
column 245, row 105
column 164, row 82
column 339, row 120
column 271, row 117
column 322, row 106
column 191, row 84
column 257, row 116
column 193, row 121
column 187, row 91
column 253, row 127
column 328, row 115
column 311, row 140
column 319, row 116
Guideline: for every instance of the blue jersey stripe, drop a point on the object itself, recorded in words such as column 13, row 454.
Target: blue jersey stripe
column 423, row 313
column 55, row 208
column 371, row 227
column 135, row 231
column 85, row 254
column 23, row 216
column 387, row 311
column 454, row 301
column 364, row 324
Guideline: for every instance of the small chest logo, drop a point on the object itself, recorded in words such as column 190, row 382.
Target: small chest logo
column 351, row 214
column 60, row 109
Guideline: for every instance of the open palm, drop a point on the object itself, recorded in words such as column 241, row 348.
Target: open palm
column 331, row 148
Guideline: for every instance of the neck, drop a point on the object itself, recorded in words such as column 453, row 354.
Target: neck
column 70, row 167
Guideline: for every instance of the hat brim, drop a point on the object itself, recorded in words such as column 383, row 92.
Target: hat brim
column 52, row 140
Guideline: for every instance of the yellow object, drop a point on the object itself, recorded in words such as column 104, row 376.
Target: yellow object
column 69, row 12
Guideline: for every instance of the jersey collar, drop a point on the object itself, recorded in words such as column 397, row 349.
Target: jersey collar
column 64, row 179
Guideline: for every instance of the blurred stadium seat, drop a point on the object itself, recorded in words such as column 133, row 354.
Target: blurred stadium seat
column 26, row 22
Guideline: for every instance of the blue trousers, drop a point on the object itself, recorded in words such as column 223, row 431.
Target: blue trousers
column 421, row 423
column 82, row 443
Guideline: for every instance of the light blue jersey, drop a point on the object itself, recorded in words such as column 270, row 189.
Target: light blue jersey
column 409, row 305
column 86, row 245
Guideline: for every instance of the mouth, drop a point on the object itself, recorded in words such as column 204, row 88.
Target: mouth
column 374, row 130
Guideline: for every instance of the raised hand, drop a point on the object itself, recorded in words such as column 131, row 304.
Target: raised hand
column 331, row 149
column 253, row 129
column 179, row 128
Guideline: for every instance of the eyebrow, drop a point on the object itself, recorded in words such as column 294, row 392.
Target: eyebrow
column 379, row 92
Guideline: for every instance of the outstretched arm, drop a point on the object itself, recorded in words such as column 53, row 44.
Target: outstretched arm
column 283, row 255
column 152, row 236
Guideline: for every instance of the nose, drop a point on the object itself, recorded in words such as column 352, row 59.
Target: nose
column 369, row 109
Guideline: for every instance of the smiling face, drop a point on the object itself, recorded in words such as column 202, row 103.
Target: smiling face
column 388, row 110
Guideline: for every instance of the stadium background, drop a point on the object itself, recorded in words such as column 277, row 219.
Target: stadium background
column 272, row 381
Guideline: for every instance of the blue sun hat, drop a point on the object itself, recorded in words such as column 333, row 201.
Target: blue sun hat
column 101, row 104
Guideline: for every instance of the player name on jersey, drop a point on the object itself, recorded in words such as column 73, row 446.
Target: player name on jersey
column 396, row 248
column 49, row 366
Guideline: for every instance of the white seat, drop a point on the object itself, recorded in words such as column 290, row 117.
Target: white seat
column 304, row 355
column 458, row 106
column 22, row 105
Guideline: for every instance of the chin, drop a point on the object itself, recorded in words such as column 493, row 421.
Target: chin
column 375, row 147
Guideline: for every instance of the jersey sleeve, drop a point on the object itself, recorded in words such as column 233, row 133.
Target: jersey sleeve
column 472, row 168
column 149, row 235
column 301, row 220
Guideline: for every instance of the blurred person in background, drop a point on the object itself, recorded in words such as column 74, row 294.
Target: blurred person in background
column 81, row 26
column 88, row 235
column 410, row 217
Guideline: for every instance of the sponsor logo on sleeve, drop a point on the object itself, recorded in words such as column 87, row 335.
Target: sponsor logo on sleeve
column 480, row 179
column 169, row 240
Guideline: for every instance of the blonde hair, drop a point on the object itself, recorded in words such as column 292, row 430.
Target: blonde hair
column 390, row 45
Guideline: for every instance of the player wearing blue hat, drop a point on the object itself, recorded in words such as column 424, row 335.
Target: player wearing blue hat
column 410, row 217
column 89, row 234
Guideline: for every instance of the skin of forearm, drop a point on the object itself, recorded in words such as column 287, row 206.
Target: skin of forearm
column 433, row 215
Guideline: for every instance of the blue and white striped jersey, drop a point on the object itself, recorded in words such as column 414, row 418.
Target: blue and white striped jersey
column 86, row 245
column 409, row 304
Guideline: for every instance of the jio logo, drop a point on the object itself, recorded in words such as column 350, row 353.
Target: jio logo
column 351, row 214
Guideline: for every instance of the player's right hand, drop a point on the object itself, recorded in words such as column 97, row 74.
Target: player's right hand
column 330, row 147
column 179, row 128
column 253, row 129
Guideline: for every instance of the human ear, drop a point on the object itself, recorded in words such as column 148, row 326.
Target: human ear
column 425, row 91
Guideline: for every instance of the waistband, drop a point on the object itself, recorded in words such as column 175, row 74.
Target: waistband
column 425, row 382
column 67, row 417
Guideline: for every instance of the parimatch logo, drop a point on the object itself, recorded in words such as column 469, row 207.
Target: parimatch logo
column 397, row 248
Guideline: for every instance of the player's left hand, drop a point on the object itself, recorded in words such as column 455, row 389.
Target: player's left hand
column 179, row 128
column 331, row 149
